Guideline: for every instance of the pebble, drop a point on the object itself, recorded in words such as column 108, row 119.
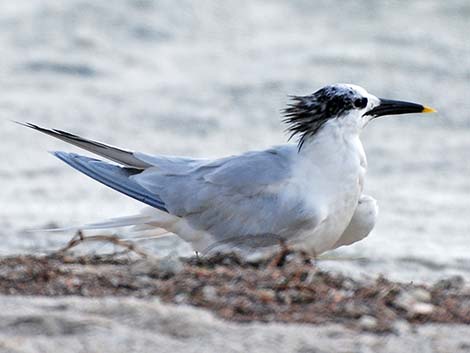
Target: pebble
column 401, row 327
column 415, row 301
column 367, row 322
column 422, row 308
column 180, row 298
column 421, row 295
column 209, row 293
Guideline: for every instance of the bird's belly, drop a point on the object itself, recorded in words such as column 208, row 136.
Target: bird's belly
column 339, row 208
column 326, row 234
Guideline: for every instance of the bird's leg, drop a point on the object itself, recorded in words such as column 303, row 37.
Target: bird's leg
column 310, row 258
column 280, row 259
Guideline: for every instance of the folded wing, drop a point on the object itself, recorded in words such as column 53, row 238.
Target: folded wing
column 232, row 197
column 116, row 177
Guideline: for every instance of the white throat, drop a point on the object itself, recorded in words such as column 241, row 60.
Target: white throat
column 338, row 139
column 334, row 159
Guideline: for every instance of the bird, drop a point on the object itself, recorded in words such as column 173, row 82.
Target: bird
column 307, row 193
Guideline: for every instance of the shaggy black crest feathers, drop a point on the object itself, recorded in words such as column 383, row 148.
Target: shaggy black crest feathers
column 306, row 115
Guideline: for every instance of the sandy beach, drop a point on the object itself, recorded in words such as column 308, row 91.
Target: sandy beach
column 65, row 303
column 209, row 79
column 74, row 324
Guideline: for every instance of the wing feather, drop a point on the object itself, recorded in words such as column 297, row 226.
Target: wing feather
column 117, row 178
column 112, row 153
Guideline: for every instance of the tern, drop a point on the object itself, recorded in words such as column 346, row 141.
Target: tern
column 308, row 194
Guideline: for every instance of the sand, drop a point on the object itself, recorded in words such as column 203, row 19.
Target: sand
column 125, row 304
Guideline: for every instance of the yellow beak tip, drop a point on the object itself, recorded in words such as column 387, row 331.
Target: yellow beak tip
column 428, row 110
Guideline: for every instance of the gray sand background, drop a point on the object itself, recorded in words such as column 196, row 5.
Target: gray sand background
column 208, row 78
column 131, row 325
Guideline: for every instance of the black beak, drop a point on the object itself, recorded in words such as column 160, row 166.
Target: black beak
column 392, row 107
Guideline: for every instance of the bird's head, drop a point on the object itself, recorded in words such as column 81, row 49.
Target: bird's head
column 347, row 106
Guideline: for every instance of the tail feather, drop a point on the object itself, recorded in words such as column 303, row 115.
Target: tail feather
column 119, row 222
column 147, row 220
column 112, row 153
column 126, row 221
column 112, row 176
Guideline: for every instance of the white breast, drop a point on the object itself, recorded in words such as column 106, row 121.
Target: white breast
column 329, row 176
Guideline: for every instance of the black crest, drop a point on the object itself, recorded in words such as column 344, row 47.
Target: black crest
column 306, row 115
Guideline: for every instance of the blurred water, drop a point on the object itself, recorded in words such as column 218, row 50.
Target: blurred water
column 209, row 78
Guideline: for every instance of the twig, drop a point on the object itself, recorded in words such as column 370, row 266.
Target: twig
column 80, row 238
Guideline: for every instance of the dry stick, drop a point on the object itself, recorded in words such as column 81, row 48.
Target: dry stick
column 80, row 238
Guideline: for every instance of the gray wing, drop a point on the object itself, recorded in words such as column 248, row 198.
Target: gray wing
column 233, row 196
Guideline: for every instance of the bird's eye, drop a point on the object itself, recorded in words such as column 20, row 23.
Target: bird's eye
column 360, row 103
